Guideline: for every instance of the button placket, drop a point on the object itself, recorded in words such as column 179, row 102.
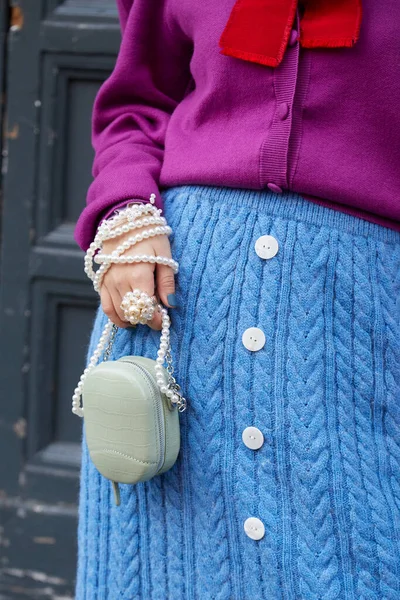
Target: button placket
column 275, row 148
column 253, row 338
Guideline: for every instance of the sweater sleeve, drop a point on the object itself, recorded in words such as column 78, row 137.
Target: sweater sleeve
column 132, row 110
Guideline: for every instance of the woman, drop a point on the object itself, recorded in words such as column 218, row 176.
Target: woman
column 269, row 133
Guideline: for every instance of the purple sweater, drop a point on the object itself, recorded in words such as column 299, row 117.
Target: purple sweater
column 324, row 124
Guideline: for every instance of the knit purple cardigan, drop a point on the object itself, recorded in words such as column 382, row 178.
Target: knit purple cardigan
column 325, row 123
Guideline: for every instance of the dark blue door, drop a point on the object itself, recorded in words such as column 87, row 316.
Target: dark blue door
column 56, row 55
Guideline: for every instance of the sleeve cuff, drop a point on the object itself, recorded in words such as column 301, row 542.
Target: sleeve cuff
column 108, row 214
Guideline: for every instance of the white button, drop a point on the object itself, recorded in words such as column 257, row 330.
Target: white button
column 266, row 246
column 254, row 528
column 253, row 438
column 253, row 338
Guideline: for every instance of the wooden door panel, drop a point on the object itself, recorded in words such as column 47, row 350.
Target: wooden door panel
column 58, row 54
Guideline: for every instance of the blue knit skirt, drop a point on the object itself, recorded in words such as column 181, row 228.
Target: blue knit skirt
column 324, row 390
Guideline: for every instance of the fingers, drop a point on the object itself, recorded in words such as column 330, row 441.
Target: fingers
column 142, row 276
column 165, row 281
column 165, row 277
column 125, row 278
column 154, row 279
column 108, row 306
column 116, row 299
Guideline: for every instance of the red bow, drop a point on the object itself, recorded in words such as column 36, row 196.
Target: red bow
column 259, row 30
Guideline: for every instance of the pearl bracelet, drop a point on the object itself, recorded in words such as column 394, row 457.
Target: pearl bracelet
column 161, row 260
column 116, row 258
column 112, row 228
column 124, row 220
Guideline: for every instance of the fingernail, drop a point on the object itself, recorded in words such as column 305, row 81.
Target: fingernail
column 171, row 300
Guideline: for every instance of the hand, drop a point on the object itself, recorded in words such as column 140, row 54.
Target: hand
column 148, row 277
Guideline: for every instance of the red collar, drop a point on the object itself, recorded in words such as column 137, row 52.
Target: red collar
column 259, row 30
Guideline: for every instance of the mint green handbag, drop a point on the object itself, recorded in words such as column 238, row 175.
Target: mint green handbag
column 132, row 429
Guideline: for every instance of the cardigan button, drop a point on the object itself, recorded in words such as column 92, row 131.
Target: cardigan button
column 274, row 188
column 293, row 37
column 266, row 246
column 254, row 528
column 253, row 339
column 252, row 438
column 282, row 111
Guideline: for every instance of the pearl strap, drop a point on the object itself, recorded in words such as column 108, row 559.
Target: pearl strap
column 122, row 221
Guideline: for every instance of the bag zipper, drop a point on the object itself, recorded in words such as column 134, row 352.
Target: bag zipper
column 160, row 411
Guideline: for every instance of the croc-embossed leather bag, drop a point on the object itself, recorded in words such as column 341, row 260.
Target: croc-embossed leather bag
column 132, row 429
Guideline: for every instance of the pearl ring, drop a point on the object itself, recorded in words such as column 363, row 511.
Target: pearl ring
column 138, row 306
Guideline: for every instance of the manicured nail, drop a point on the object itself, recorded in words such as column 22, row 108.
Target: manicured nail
column 171, row 300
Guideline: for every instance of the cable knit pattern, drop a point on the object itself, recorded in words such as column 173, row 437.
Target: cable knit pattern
column 363, row 552
column 324, row 391
column 389, row 272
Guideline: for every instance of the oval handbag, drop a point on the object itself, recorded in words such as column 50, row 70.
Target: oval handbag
column 132, row 428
